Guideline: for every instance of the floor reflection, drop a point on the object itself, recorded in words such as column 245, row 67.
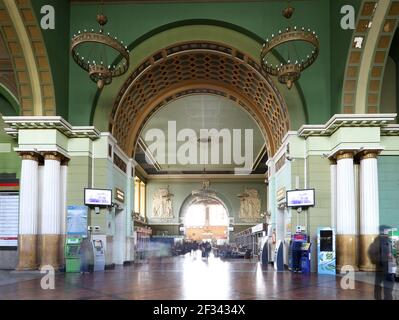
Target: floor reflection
column 189, row 277
column 205, row 278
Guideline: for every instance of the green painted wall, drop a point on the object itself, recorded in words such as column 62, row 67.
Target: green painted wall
column 388, row 176
column 133, row 21
column 79, row 177
column 7, row 108
column 57, row 45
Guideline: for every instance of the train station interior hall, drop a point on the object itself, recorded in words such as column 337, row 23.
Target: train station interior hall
column 199, row 150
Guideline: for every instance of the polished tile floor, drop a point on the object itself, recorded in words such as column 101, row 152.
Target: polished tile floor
column 185, row 278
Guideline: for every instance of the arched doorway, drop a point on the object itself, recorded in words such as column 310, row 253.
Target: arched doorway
column 205, row 217
column 207, row 220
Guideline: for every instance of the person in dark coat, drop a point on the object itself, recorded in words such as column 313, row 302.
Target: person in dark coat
column 379, row 252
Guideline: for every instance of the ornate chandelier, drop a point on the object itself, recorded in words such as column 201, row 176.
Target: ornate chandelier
column 297, row 46
column 96, row 47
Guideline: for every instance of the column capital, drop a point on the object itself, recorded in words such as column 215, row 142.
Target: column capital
column 54, row 155
column 344, row 155
column 65, row 161
column 369, row 154
column 333, row 161
column 29, row 155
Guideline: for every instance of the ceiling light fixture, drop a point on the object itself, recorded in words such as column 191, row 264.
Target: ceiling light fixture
column 290, row 70
column 97, row 44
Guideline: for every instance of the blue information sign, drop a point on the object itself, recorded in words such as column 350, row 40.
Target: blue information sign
column 77, row 221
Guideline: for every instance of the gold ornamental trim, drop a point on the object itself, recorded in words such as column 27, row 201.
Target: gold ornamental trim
column 56, row 156
column 369, row 155
column 29, row 156
column 345, row 155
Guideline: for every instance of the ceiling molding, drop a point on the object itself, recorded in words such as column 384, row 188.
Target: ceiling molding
column 202, row 177
column 27, row 123
column 347, row 120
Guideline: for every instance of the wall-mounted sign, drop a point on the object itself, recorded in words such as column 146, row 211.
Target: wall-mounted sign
column 281, row 194
column 119, row 195
column 98, row 197
column 9, row 210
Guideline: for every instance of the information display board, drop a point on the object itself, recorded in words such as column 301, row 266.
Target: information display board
column 98, row 197
column 9, row 209
column 301, row 198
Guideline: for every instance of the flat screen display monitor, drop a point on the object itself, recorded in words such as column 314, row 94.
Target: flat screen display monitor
column 301, row 198
column 98, row 197
column 326, row 241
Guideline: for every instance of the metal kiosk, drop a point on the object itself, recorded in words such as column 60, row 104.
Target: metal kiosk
column 72, row 254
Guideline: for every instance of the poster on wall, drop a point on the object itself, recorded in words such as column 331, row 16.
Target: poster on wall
column 9, row 209
column 77, row 221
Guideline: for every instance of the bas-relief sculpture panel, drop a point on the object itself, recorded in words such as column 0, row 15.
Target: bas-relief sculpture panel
column 162, row 207
column 250, row 206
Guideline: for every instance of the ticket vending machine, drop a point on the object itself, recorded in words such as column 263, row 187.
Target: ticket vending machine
column 326, row 251
column 393, row 254
column 279, row 256
column 306, row 258
column 72, row 254
column 295, row 250
column 98, row 243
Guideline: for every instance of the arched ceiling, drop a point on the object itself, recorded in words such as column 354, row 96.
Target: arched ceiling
column 198, row 66
column 195, row 112
column 24, row 42
column 367, row 58
column 142, row 51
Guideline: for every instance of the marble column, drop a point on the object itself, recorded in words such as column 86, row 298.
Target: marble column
column 369, row 208
column 51, row 216
column 63, row 210
column 28, row 212
column 346, row 211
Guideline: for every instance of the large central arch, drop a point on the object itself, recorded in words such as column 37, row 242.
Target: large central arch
column 188, row 67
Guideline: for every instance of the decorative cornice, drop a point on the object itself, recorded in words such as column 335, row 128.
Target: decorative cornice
column 390, row 130
column 347, row 120
column 27, row 123
column 352, row 152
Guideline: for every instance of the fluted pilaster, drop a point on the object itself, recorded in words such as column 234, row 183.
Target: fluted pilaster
column 51, row 214
column 346, row 211
column 369, row 208
column 28, row 212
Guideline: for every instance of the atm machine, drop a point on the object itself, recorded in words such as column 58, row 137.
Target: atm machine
column 72, row 254
column 98, row 243
column 326, row 251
